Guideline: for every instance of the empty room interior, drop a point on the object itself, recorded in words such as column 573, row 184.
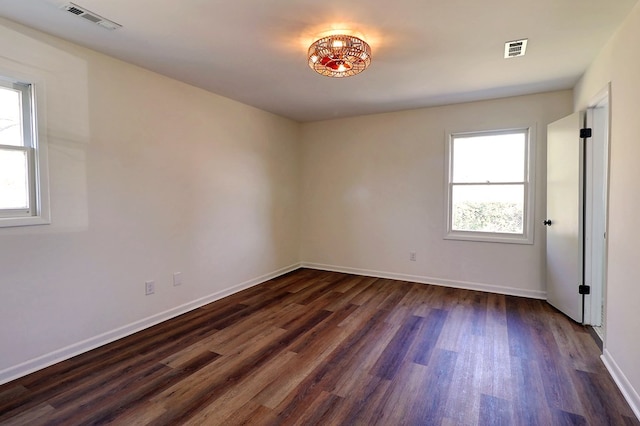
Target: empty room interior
column 263, row 212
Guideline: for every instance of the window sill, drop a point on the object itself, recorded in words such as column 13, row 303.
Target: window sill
column 8, row 222
column 488, row 237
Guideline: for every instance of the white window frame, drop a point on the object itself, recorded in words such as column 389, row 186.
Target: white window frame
column 526, row 237
column 35, row 146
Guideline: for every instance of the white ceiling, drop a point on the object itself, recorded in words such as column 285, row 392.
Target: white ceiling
column 425, row 52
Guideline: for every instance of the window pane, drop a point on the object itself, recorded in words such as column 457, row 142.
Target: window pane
column 14, row 182
column 488, row 208
column 489, row 158
column 10, row 117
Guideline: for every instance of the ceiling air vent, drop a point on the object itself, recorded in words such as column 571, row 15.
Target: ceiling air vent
column 90, row 16
column 513, row 49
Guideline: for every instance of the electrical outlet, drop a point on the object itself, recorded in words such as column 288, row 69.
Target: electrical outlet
column 412, row 256
column 177, row 279
column 149, row 287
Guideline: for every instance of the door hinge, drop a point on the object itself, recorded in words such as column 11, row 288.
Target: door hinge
column 584, row 289
column 585, row 133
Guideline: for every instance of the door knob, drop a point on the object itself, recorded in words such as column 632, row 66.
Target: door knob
column 547, row 222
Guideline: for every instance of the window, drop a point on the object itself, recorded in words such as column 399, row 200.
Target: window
column 490, row 190
column 21, row 200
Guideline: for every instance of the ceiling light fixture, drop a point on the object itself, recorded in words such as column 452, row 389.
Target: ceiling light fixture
column 339, row 55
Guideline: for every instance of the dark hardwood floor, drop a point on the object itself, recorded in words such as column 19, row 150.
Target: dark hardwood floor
column 323, row 348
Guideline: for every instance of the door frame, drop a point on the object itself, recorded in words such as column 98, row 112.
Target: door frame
column 598, row 118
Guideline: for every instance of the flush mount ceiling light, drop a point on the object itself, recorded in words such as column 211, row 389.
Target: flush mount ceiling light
column 339, row 55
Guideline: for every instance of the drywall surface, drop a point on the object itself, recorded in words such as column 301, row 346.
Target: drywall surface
column 148, row 176
column 373, row 190
column 619, row 64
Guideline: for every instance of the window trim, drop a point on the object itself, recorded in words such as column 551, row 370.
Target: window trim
column 37, row 153
column 529, row 187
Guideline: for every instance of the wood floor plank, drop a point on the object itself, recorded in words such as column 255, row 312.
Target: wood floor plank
column 361, row 363
column 437, row 376
column 467, row 376
column 496, row 349
column 521, row 337
column 328, row 373
column 220, row 410
column 356, row 409
column 428, row 336
column 399, row 409
column 318, row 412
column 453, row 330
column 324, row 332
column 36, row 416
column 530, row 403
column 273, row 394
column 568, row 419
column 325, row 348
column 359, row 287
column 141, row 415
column 237, row 338
column 495, row 411
column 312, row 350
column 393, row 356
column 251, row 414
column 601, row 407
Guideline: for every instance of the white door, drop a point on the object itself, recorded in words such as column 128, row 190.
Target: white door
column 564, row 222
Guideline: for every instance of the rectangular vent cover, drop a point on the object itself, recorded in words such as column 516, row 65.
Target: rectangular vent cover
column 90, row 16
column 75, row 10
column 513, row 49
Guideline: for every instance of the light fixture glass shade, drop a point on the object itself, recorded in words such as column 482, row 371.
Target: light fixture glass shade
column 339, row 55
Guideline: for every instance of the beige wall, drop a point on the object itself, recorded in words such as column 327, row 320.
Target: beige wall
column 373, row 191
column 148, row 176
column 619, row 63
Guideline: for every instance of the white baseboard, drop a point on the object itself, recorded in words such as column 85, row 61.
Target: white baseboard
column 630, row 394
column 532, row 294
column 70, row 351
